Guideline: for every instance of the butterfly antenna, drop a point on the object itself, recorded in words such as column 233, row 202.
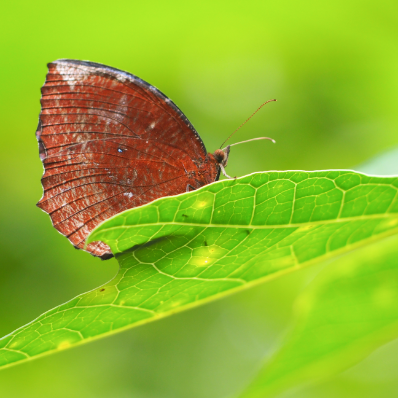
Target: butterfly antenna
column 253, row 139
column 266, row 102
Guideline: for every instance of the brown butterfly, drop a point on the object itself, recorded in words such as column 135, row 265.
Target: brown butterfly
column 109, row 141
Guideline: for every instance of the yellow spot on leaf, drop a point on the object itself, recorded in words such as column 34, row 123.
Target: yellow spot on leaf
column 205, row 255
column 393, row 222
column 201, row 261
column 63, row 345
column 305, row 228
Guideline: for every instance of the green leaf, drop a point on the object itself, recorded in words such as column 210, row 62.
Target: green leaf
column 348, row 311
column 181, row 251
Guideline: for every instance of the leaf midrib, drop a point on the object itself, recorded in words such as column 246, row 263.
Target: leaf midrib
column 267, row 226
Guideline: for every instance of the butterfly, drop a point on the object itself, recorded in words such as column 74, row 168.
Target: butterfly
column 109, row 141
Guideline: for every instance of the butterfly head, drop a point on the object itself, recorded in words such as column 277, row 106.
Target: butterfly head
column 221, row 158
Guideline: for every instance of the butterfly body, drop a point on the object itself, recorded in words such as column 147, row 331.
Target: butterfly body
column 109, row 142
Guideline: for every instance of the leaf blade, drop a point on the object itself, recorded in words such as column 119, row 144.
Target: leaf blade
column 345, row 313
column 182, row 251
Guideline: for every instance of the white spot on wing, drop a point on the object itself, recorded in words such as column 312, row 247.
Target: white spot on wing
column 71, row 74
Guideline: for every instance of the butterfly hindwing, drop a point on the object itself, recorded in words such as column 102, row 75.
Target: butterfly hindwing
column 109, row 141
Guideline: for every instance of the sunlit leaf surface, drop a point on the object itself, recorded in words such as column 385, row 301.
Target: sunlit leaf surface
column 185, row 250
column 348, row 311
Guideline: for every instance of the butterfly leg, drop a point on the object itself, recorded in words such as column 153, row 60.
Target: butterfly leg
column 225, row 174
column 190, row 186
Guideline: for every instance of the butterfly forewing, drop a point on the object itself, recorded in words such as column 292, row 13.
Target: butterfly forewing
column 110, row 141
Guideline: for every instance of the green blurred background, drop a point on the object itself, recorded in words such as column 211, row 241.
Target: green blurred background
column 333, row 68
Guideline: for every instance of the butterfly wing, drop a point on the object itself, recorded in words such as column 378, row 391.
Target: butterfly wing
column 109, row 141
